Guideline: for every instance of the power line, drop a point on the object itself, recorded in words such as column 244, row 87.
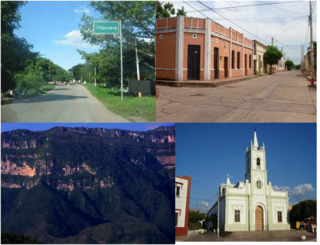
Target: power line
column 230, row 21
column 289, row 28
column 255, row 28
column 241, row 6
column 285, row 9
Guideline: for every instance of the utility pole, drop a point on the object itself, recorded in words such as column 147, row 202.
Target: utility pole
column 311, row 49
column 218, row 213
column 272, row 41
column 137, row 61
column 95, row 76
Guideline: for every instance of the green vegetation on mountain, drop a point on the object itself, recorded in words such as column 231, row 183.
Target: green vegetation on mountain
column 10, row 238
column 122, row 195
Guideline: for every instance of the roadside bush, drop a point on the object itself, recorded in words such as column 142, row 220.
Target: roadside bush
column 46, row 88
column 29, row 82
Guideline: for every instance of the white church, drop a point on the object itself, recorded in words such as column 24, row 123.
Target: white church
column 252, row 205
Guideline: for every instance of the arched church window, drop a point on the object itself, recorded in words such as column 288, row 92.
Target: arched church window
column 258, row 163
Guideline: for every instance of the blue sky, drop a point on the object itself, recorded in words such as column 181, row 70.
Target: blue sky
column 45, row 126
column 208, row 152
column 52, row 27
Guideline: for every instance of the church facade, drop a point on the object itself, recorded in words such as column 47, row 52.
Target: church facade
column 252, row 205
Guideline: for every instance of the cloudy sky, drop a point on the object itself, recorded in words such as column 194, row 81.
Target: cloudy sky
column 209, row 152
column 52, row 27
column 286, row 22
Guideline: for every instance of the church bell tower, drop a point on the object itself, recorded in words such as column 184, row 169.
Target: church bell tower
column 256, row 171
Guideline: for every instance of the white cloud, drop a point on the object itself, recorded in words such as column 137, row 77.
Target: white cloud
column 82, row 9
column 75, row 39
column 206, row 204
column 298, row 192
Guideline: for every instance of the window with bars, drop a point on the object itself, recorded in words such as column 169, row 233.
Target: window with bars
column 279, row 216
column 178, row 191
column 237, row 216
column 232, row 57
column 238, row 60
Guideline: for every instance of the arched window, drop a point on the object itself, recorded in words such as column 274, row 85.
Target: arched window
column 258, row 163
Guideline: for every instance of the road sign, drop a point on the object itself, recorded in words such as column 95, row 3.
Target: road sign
column 110, row 28
column 106, row 28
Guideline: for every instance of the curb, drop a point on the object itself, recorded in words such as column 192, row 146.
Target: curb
column 202, row 84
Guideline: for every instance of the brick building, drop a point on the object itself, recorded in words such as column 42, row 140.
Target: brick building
column 190, row 48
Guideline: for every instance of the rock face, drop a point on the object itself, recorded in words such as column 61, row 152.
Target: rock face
column 59, row 185
column 31, row 154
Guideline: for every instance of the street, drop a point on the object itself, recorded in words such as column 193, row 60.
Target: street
column 247, row 236
column 281, row 97
column 71, row 103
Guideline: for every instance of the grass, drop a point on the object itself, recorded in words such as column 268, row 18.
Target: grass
column 133, row 108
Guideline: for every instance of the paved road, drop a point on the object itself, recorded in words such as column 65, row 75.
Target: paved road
column 281, row 97
column 214, row 238
column 66, row 103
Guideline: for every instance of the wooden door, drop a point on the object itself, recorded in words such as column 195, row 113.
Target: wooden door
column 259, row 218
column 245, row 64
column 226, row 65
column 216, row 64
column 193, row 62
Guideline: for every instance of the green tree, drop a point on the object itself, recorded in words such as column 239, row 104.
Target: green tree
column 303, row 210
column 298, row 67
column 16, row 52
column 165, row 10
column 289, row 64
column 76, row 71
column 137, row 22
column 195, row 217
column 272, row 56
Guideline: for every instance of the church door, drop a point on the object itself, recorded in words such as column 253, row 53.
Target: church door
column 259, row 218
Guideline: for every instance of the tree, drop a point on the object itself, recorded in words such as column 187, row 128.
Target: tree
column 16, row 52
column 165, row 10
column 195, row 217
column 272, row 55
column 137, row 20
column 303, row 210
column 298, row 67
column 289, row 64
column 138, row 25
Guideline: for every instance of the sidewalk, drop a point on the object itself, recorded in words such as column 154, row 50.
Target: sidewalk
column 197, row 83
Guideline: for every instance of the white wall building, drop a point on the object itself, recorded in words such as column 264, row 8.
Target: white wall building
column 183, row 186
column 252, row 205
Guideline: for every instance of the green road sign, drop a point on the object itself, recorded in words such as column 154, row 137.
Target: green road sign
column 111, row 28
column 106, row 28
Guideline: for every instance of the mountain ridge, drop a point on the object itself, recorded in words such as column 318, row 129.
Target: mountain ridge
column 127, row 177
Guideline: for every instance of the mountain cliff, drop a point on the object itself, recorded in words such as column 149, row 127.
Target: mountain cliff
column 89, row 185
